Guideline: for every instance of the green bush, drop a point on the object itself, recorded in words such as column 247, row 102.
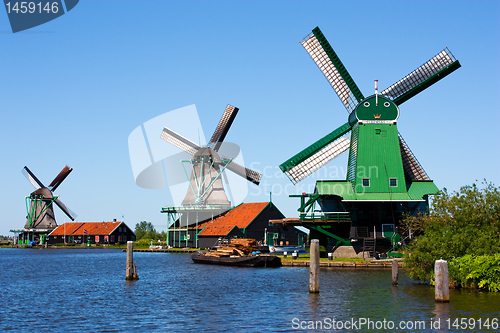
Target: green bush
column 459, row 224
column 146, row 230
column 476, row 271
column 142, row 243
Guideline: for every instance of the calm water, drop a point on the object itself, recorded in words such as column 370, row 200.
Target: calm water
column 85, row 290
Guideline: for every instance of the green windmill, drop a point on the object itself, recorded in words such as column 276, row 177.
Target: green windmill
column 384, row 178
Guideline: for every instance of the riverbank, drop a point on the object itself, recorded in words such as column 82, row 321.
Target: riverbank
column 287, row 262
column 346, row 264
column 165, row 250
column 304, row 262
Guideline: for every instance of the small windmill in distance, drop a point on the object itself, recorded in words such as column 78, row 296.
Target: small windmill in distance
column 206, row 197
column 40, row 219
column 205, row 183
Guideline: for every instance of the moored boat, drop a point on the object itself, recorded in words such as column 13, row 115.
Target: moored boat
column 240, row 252
column 288, row 249
column 252, row 260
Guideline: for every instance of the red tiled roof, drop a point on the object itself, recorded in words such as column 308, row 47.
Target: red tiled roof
column 240, row 216
column 92, row 228
column 215, row 230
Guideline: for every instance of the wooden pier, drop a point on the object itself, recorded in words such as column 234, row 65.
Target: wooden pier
column 164, row 250
column 346, row 264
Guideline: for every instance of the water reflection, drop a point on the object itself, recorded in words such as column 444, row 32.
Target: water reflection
column 441, row 315
column 314, row 303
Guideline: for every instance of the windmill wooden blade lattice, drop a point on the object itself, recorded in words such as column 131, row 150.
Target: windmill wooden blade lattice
column 179, row 141
column 410, row 163
column 423, row 77
column 223, row 127
column 250, row 175
column 32, row 178
column 329, row 63
column 316, row 155
column 60, row 178
column 69, row 213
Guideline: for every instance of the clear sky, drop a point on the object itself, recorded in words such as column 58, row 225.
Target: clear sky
column 72, row 91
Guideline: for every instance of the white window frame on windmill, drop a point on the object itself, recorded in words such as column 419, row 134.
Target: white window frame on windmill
column 391, row 182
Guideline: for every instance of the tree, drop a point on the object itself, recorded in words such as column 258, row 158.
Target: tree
column 458, row 224
column 145, row 230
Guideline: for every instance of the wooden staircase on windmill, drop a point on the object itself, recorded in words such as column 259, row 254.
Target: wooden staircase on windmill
column 368, row 243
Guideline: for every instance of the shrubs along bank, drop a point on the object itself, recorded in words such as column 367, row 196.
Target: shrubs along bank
column 462, row 228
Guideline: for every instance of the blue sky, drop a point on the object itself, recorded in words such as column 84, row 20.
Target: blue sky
column 73, row 89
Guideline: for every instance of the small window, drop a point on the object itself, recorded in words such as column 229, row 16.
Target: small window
column 393, row 182
column 366, row 182
column 112, row 239
column 283, row 236
column 377, row 131
column 97, row 239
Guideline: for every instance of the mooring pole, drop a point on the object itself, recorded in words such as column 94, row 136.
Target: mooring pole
column 314, row 267
column 395, row 271
column 442, row 284
column 131, row 272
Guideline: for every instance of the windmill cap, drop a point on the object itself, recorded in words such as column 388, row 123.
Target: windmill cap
column 43, row 191
column 369, row 111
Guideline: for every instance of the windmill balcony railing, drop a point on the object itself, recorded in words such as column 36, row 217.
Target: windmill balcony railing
column 325, row 216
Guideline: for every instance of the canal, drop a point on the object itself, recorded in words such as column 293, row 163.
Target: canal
column 62, row 290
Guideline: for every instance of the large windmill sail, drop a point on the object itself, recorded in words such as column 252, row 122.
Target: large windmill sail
column 316, row 155
column 412, row 167
column 423, row 77
column 330, row 65
column 223, row 127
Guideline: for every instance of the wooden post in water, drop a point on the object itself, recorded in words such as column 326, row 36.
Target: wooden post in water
column 442, row 284
column 395, row 271
column 314, row 267
column 131, row 272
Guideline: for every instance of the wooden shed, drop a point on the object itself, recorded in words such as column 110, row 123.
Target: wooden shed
column 247, row 220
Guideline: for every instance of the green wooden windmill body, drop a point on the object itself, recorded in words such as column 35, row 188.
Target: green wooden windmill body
column 384, row 179
column 375, row 156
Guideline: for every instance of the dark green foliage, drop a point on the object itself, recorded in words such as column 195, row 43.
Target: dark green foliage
column 145, row 230
column 459, row 224
column 476, row 271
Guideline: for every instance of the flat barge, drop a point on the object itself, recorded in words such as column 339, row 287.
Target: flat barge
column 232, row 260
